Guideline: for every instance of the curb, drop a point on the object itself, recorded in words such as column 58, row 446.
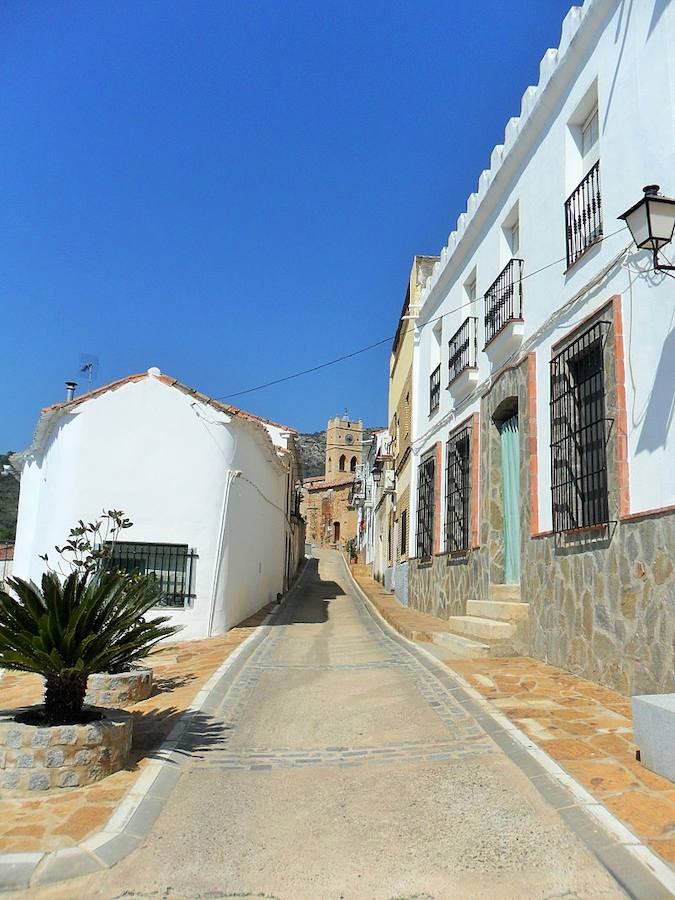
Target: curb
column 637, row 869
column 136, row 813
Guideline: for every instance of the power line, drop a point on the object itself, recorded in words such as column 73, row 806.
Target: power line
column 386, row 340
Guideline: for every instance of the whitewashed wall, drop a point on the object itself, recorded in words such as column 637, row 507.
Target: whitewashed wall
column 169, row 462
column 625, row 52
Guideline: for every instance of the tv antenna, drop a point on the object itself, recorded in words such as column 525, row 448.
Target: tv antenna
column 88, row 367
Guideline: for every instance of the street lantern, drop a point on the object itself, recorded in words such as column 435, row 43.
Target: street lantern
column 377, row 474
column 652, row 222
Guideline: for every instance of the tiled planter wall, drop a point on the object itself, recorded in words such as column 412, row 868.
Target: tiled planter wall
column 34, row 758
column 119, row 690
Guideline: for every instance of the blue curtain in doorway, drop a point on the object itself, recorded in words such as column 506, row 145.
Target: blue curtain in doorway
column 511, row 498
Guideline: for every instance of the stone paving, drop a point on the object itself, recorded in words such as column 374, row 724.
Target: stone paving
column 61, row 819
column 587, row 729
column 337, row 761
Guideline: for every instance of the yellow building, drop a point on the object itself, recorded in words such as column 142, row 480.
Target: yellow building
column 394, row 514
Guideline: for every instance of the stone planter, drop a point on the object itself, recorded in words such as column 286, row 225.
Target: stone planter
column 122, row 689
column 39, row 757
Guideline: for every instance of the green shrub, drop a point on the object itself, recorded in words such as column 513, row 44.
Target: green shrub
column 65, row 630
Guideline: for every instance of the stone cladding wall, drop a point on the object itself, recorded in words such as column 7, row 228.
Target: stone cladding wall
column 602, row 605
column 607, row 612
column 34, row 758
column 442, row 586
column 118, row 690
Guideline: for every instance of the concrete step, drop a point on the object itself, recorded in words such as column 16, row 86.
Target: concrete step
column 458, row 647
column 505, row 592
column 504, row 610
column 481, row 629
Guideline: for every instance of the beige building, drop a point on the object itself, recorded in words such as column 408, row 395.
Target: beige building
column 325, row 505
column 393, row 512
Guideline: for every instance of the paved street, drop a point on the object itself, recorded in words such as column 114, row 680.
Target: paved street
column 340, row 766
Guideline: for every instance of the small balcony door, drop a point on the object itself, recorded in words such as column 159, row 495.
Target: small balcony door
column 510, row 452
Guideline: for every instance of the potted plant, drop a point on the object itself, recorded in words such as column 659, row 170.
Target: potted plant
column 89, row 548
column 91, row 621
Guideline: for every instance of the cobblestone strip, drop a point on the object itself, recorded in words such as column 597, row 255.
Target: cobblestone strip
column 134, row 817
column 634, row 865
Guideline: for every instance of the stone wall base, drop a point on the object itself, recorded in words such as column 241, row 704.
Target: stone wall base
column 39, row 758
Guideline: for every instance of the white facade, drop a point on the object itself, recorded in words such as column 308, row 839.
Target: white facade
column 186, row 471
column 368, row 497
column 617, row 59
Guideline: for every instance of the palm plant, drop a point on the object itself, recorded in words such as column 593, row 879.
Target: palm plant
column 68, row 629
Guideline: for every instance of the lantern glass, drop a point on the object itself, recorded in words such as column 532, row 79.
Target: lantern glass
column 377, row 474
column 638, row 223
column 662, row 219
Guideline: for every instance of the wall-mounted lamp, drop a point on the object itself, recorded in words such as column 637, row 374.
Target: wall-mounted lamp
column 652, row 222
column 377, row 474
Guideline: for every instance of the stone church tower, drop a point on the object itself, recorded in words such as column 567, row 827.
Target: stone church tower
column 343, row 448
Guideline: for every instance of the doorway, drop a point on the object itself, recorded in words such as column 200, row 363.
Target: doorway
column 510, row 453
column 336, row 532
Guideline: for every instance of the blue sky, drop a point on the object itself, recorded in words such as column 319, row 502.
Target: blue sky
column 234, row 191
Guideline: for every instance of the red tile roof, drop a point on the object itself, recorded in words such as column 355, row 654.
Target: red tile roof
column 171, row 382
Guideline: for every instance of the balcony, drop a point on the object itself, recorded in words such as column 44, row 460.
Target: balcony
column 462, row 359
column 434, row 390
column 583, row 216
column 504, row 326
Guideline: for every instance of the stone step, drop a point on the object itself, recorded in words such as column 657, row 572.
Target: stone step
column 481, row 629
column 458, row 647
column 504, row 610
column 505, row 592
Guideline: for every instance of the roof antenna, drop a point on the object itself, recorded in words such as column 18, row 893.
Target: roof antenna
column 88, row 367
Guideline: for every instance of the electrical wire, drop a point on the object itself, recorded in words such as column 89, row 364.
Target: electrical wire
column 386, row 340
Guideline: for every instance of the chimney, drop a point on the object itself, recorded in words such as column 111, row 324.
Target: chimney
column 70, row 390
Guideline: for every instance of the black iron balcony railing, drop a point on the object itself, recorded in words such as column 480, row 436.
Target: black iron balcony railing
column 463, row 349
column 583, row 216
column 504, row 299
column 434, row 390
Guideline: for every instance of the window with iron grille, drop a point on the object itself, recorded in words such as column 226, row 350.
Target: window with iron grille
column 462, row 348
column 583, row 215
column 434, row 390
column 404, row 532
column 171, row 564
column 579, row 433
column 457, row 490
column 426, row 483
column 504, row 299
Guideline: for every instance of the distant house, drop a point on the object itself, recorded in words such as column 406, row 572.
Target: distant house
column 211, row 491
column 6, row 561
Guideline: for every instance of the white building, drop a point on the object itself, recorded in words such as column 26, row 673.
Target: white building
column 210, row 489
column 371, row 486
column 544, row 368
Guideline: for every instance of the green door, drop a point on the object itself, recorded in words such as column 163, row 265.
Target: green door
column 511, row 499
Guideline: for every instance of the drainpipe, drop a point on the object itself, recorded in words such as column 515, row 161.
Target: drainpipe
column 229, row 478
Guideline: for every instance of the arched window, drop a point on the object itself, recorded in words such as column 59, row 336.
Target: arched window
column 330, row 464
column 352, row 464
column 343, row 462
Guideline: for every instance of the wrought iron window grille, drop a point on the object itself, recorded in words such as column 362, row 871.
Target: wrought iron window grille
column 580, row 431
column 426, row 484
column 171, row 564
column 435, row 390
column 463, row 349
column 457, row 491
column 504, row 299
column 583, row 216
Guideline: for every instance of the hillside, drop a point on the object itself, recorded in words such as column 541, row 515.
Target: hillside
column 312, row 448
column 9, row 501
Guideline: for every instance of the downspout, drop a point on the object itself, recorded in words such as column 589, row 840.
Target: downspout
column 229, row 478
